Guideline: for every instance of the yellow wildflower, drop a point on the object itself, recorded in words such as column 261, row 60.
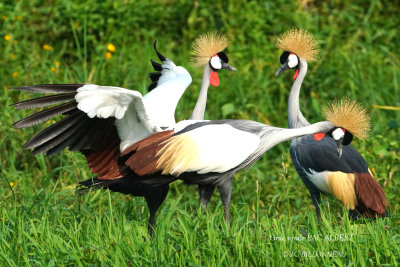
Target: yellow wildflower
column 19, row 18
column 12, row 55
column 12, row 184
column 111, row 47
column 108, row 55
column 15, row 42
column 7, row 37
column 57, row 63
column 53, row 69
column 15, row 74
column 47, row 47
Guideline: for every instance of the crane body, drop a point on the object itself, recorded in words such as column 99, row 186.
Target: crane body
column 346, row 177
column 102, row 121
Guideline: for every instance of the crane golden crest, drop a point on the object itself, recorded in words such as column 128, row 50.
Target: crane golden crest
column 349, row 115
column 207, row 45
column 300, row 42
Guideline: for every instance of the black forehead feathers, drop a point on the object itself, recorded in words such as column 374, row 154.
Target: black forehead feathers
column 284, row 57
column 223, row 56
column 331, row 131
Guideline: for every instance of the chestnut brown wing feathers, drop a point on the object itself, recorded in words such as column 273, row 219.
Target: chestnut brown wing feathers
column 144, row 159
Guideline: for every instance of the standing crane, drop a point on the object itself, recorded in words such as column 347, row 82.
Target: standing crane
column 346, row 177
column 102, row 121
column 211, row 152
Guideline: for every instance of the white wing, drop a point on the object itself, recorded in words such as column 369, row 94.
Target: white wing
column 136, row 117
column 133, row 122
column 209, row 148
column 167, row 88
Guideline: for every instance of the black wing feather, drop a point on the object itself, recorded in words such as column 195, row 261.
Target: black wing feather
column 160, row 56
column 60, row 138
column 50, row 88
column 44, row 101
column 154, row 76
column 54, row 130
column 76, row 130
column 96, row 126
column 45, row 115
column 156, row 66
column 152, row 86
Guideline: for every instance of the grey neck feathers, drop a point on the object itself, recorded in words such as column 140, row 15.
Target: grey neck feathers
column 319, row 127
column 200, row 108
column 295, row 117
column 279, row 135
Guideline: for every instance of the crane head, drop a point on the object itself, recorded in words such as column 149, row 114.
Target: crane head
column 289, row 61
column 341, row 136
column 299, row 43
column 349, row 119
column 207, row 50
column 217, row 62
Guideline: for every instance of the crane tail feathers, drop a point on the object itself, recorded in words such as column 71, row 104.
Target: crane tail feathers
column 371, row 199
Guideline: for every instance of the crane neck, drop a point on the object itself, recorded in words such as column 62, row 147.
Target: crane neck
column 319, row 127
column 200, row 107
column 272, row 136
column 295, row 117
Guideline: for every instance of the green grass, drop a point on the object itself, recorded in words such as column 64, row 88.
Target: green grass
column 43, row 222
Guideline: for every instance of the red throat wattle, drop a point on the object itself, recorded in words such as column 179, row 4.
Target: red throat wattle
column 319, row 136
column 295, row 74
column 214, row 80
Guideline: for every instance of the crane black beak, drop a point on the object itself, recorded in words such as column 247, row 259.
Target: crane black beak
column 339, row 144
column 227, row 66
column 284, row 67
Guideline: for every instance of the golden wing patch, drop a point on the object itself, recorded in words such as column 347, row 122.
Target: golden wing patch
column 177, row 155
column 342, row 187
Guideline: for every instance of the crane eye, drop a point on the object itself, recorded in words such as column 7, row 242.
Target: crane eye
column 292, row 61
column 215, row 62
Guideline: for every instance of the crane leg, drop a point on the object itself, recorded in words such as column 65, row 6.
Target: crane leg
column 225, row 191
column 205, row 191
column 154, row 195
column 316, row 198
column 353, row 215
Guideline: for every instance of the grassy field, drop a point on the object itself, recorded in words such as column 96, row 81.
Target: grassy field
column 42, row 220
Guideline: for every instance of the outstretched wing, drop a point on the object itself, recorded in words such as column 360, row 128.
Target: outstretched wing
column 101, row 121
column 90, row 113
column 168, row 85
column 206, row 147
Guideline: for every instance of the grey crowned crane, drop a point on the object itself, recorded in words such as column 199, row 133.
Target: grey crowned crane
column 211, row 152
column 102, row 121
column 346, row 177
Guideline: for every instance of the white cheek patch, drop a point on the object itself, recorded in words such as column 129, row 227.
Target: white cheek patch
column 337, row 134
column 216, row 63
column 293, row 61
